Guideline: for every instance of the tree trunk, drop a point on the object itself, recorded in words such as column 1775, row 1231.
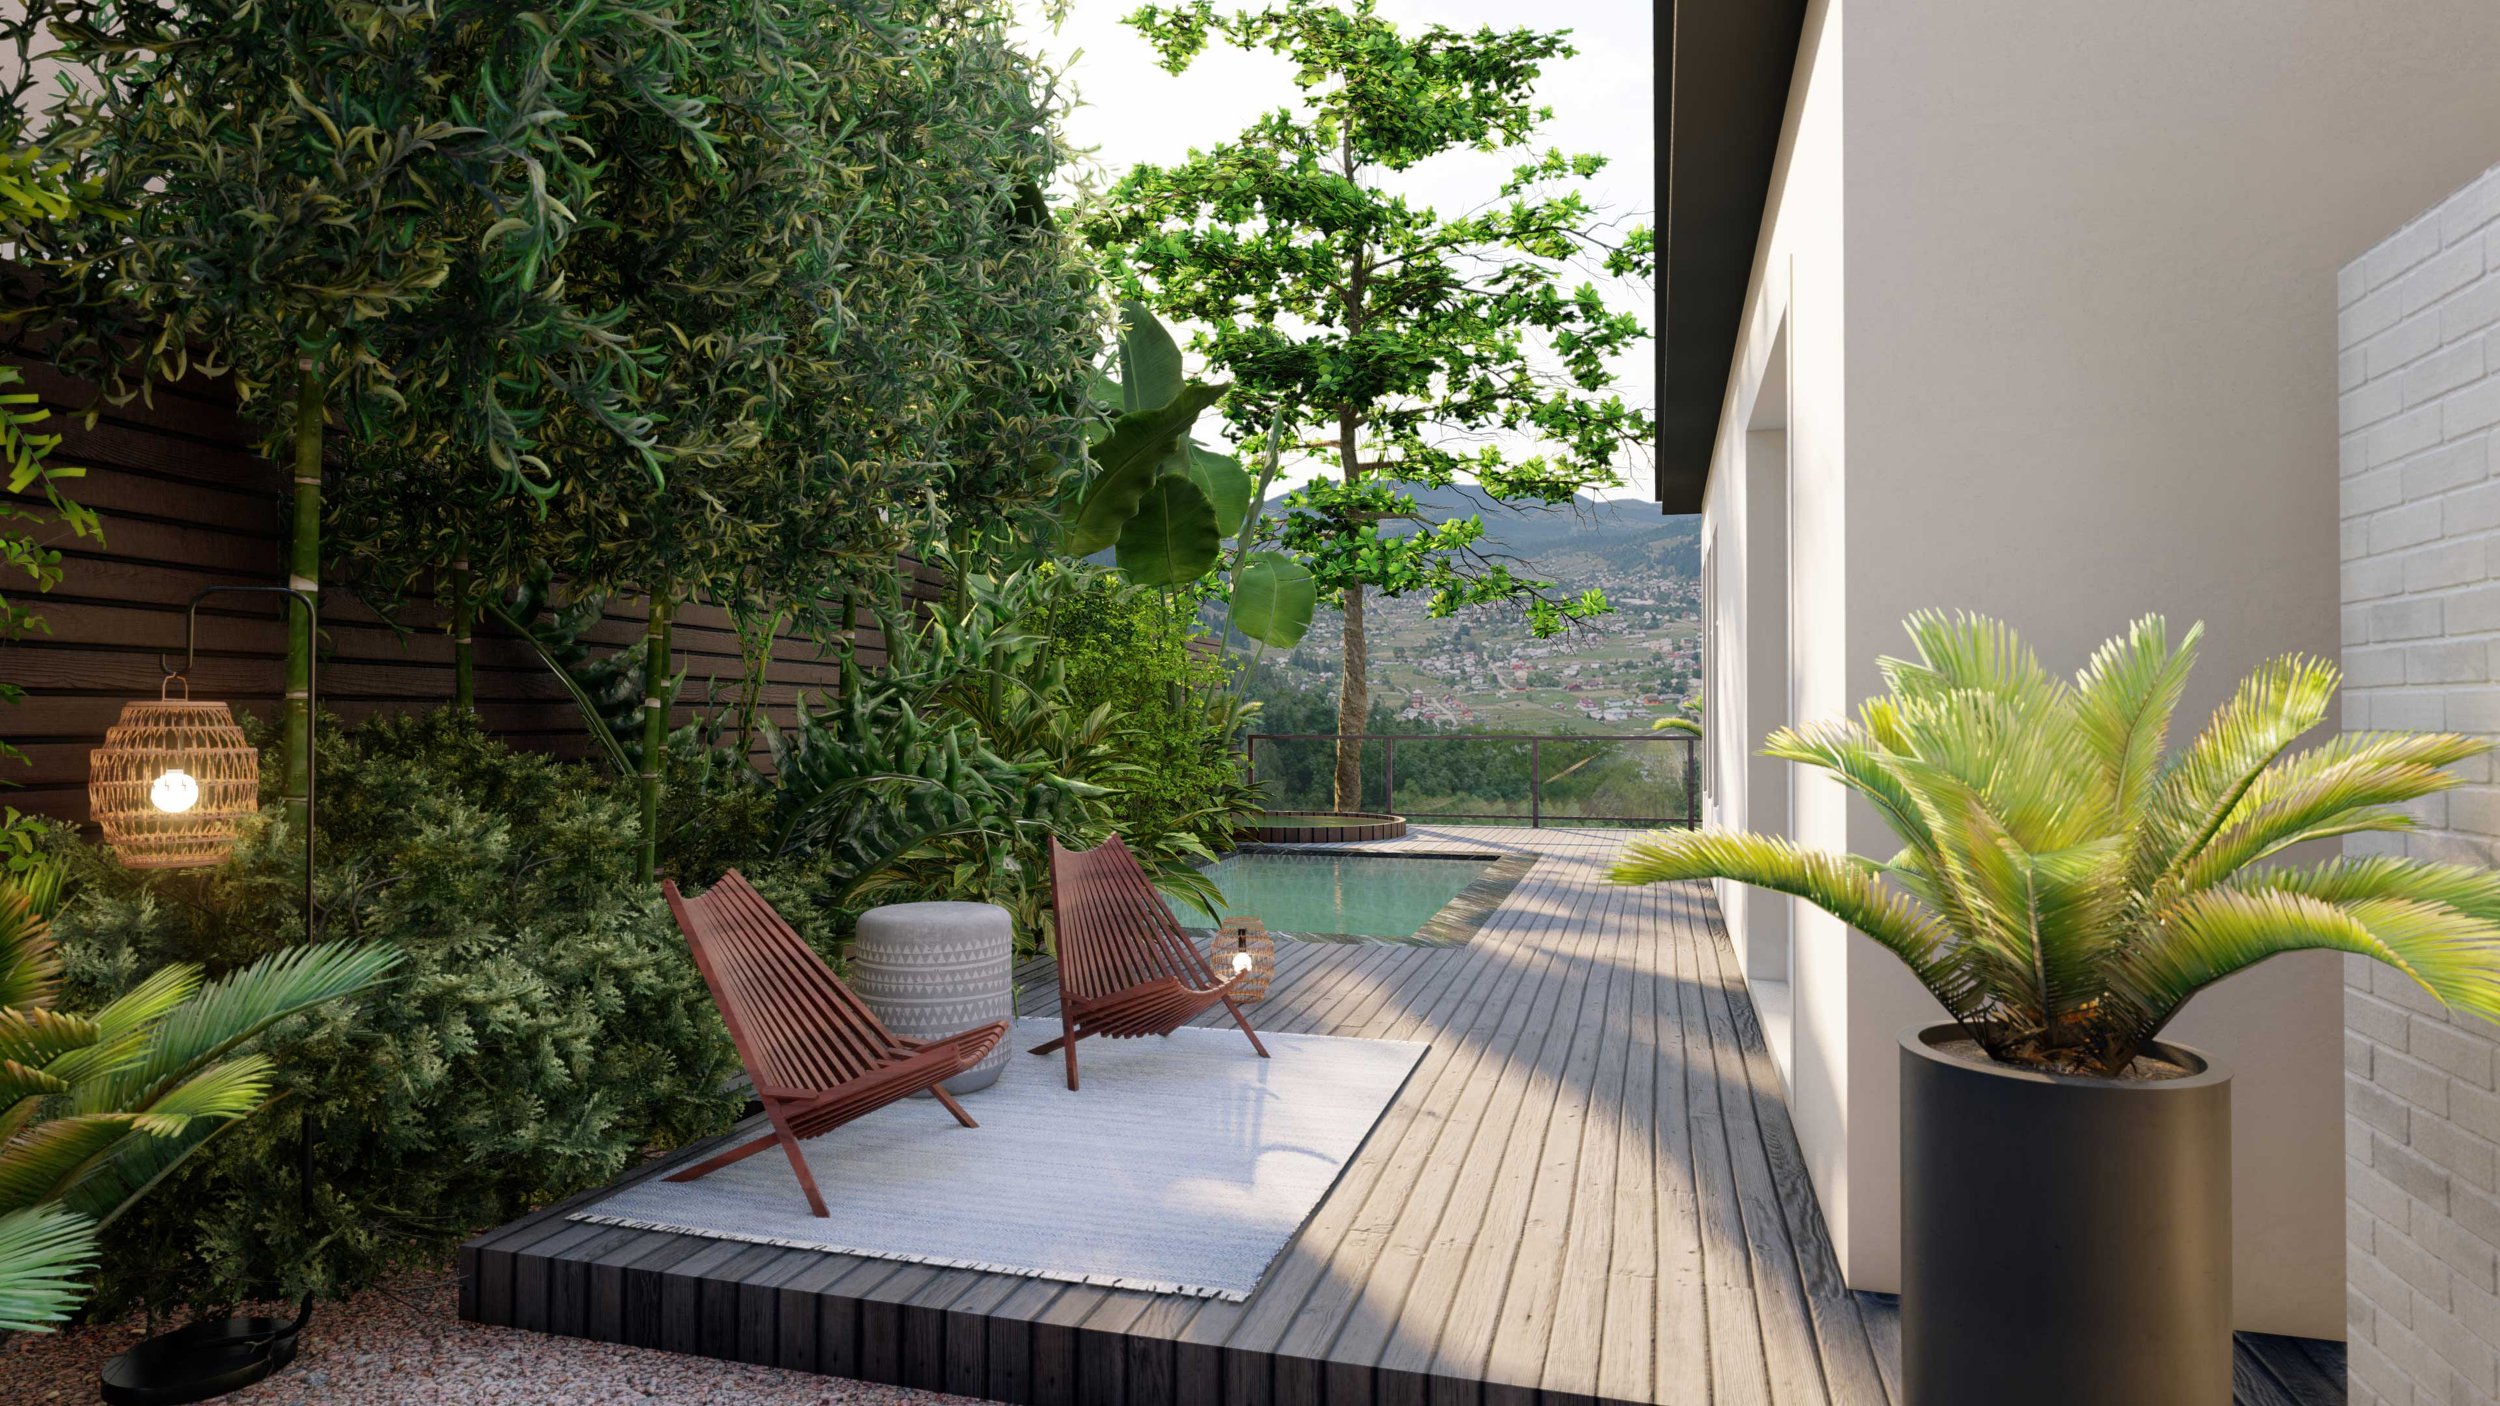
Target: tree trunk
column 1354, row 678
column 303, row 574
column 654, row 730
column 463, row 625
column 1353, row 706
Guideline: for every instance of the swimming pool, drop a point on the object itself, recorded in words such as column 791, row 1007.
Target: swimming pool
column 1356, row 895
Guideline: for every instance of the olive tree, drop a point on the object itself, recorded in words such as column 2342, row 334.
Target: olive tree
column 298, row 180
column 853, row 328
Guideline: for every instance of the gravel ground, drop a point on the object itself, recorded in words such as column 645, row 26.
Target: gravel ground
column 407, row 1344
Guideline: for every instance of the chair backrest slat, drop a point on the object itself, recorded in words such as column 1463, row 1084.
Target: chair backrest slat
column 795, row 1024
column 1115, row 931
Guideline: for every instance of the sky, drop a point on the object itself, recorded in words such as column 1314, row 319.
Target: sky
column 1131, row 111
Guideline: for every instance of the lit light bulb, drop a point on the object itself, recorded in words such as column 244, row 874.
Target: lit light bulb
column 1241, row 962
column 175, row 792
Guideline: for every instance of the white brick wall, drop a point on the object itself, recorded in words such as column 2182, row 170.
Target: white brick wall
column 2419, row 373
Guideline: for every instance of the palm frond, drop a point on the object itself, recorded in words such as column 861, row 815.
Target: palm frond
column 154, row 998
column 44, row 1161
column 2272, row 707
column 46, row 1253
column 2124, row 699
column 2213, row 933
column 30, row 968
column 37, row 1036
column 2472, row 891
column 236, row 1008
column 134, row 1166
column 2348, row 799
column 1841, row 885
column 223, row 1090
column 1851, row 754
column 19, row 1081
column 1960, row 652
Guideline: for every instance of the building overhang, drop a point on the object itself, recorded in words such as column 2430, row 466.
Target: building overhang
column 1723, row 74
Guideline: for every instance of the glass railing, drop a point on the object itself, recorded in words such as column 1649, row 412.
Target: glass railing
column 1510, row 778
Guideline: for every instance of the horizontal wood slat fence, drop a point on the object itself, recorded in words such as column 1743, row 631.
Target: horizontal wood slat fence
column 187, row 503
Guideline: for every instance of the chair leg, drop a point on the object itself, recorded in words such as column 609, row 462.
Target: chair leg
column 1244, row 1022
column 1068, row 1042
column 807, row 1179
column 951, row 1106
column 735, row 1154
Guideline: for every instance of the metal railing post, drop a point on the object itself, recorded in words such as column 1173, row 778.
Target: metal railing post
column 1389, row 776
column 1692, row 791
column 1536, row 783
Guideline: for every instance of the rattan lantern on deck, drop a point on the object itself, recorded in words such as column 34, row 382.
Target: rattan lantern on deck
column 172, row 781
column 1244, row 946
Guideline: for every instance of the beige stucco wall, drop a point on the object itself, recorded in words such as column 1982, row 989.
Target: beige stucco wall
column 1796, row 287
column 2086, row 368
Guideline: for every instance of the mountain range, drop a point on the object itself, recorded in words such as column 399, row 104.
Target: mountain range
column 1586, row 542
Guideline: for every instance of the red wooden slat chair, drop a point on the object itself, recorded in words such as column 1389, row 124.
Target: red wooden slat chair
column 1125, row 967
column 816, row 1054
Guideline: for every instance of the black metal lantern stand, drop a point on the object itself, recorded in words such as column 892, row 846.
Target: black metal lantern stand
column 208, row 1359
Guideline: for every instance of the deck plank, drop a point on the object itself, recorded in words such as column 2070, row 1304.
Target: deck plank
column 1838, row 1331
column 1589, row 1191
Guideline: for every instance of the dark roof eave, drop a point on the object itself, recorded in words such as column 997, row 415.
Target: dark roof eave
column 1724, row 68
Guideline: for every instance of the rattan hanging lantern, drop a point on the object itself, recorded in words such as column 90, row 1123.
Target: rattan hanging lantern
column 1243, row 947
column 172, row 781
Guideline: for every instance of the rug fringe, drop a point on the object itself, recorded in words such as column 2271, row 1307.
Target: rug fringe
column 1099, row 1281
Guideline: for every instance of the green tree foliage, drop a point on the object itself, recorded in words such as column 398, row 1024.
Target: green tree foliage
column 2065, row 886
column 34, row 192
column 544, row 1030
column 856, row 327
column 305, row 183
column 1418, row 346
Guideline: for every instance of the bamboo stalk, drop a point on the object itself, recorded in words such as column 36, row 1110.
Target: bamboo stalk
column 304, row 574
column 463, row 626
column 655, row 645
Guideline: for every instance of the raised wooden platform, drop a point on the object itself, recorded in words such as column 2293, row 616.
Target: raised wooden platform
column 1588, row 1192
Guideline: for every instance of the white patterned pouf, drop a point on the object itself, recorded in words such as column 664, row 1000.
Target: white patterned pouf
column 931, row 969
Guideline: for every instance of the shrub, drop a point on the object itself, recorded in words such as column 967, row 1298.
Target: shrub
column 545, row 1028
column 1124, row 647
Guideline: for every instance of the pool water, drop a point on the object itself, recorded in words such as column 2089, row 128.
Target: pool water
column 1359, row 895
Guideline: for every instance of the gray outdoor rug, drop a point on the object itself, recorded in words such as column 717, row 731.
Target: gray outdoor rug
column 1183, row 1166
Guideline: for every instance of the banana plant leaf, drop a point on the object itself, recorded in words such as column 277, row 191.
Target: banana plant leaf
column 1225, row 482
column 1150, row 361
column 1173, row 538
column 1273, row 598
column 1126, row 464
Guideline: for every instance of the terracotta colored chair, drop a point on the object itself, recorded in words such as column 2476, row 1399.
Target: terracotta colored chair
column 816, row 1054
column 1125, row 967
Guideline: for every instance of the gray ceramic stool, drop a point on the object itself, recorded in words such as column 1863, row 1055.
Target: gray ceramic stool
column 932, row 969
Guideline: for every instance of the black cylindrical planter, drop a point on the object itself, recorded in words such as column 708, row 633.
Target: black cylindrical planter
column 2064, row 1241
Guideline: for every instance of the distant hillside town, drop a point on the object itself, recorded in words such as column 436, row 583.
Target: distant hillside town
column 1481, row 670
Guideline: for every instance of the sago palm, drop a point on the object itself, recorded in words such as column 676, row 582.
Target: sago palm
column 96, row 1109
column 2064, row 885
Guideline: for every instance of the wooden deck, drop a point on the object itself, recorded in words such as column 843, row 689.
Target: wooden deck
column 1588, row 1192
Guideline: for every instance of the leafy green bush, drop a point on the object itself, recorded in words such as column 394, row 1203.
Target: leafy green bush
column 544, row 1030
column 1127, row 649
